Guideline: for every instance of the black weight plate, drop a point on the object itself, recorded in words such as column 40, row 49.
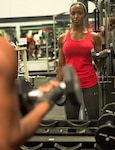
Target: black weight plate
column 106, row 118
column 105, row 137
column 23, row 86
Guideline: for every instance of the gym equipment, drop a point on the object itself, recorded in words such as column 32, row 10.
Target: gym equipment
column 38, row 65
column 96, row 16
column 64, row 135
column 109, row 108
column 105, row 134
column 24, row 56
column 29, row 98
column 97, row 56
column 23, row 86
column 73, row 134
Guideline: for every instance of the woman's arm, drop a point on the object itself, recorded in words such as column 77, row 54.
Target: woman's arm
column 61, row 59
column 98, row 48
column 14, row 130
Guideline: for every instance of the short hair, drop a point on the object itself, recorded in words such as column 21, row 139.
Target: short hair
column 80, row 3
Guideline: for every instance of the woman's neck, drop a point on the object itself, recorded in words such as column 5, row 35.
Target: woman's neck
column 78, row 28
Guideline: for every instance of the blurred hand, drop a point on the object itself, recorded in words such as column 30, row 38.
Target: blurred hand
column 105, row 51
column 48, row 86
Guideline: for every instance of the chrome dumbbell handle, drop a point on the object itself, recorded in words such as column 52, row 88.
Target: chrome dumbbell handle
column 52, row 96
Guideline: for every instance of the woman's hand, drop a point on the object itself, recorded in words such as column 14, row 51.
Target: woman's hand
column 48, row 86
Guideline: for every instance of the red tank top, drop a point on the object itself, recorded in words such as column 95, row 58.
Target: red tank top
column 78, row 54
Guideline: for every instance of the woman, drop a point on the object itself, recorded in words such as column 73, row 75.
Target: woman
column 111, row 27
column 14, row 131
column 75, row 47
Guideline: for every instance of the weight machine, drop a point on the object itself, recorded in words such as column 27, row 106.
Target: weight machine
column 102, row 14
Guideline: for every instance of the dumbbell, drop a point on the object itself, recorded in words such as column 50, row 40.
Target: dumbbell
column 97, row 56
column 105, row 134
column 31, row 97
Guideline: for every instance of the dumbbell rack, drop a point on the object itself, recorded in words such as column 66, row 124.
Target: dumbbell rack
column 63, row 135
column 107, row 89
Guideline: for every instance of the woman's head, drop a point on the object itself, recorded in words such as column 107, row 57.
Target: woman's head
column 81, row 4
column 112, row 23
column 78, row 12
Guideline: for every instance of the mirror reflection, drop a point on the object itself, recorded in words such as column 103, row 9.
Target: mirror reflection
column 81, row 65
column 39, row 36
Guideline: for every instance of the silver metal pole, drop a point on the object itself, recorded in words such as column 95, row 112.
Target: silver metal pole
column 47, row 55
column 54, row 35
column 100, row 7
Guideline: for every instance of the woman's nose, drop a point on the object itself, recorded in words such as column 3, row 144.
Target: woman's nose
column 76, row 15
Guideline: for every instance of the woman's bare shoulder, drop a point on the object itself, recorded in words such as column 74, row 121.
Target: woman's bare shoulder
column 8, row 59
column 95, row 36
column 62, row 37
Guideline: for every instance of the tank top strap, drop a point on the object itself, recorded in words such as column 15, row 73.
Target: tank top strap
column 89, row 35
column 89, row 31
column 67, row 35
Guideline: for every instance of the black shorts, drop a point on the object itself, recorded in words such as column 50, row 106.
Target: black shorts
column 37, row 47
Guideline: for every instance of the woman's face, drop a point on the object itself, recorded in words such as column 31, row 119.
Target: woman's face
column 111, row 26
column 77, row 14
